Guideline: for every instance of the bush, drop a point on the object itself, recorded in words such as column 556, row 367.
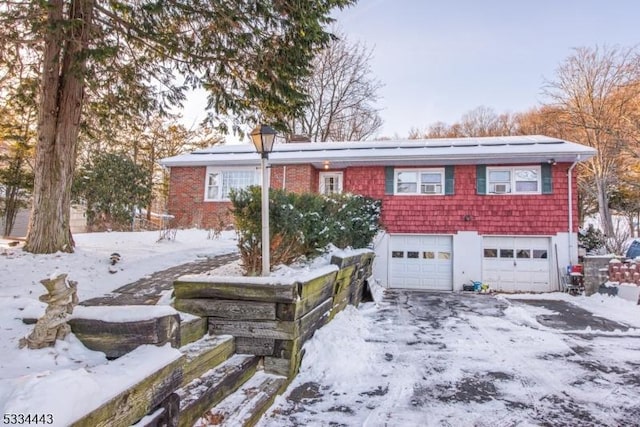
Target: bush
column 112, row 186
column 591, row 239
column 355, row 220
column 301, row 225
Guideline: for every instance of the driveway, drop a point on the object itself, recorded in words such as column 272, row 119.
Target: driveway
column 458, row 359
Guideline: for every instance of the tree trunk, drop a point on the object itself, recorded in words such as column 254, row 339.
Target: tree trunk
column 603, row 208
column 61, row 100
column 11, row 207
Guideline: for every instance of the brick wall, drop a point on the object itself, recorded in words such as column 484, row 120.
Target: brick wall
column 186, row 193
column 466, row 210
column 186, row 200
column 298, row 179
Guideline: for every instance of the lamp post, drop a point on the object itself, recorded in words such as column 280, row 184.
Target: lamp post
column 263, row 137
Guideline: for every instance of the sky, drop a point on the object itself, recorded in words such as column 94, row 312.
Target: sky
column 441, row 59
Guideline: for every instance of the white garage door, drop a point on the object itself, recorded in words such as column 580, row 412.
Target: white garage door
column 421, row 262
column 516, row 264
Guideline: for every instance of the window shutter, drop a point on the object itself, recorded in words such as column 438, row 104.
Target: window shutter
column 449, row 180
column 388, row 180
column 547, row 181
column 481, row 179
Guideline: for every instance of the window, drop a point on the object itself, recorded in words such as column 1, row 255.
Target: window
column 219, row 182
column 414, row 181
column 330, row 183
column 539, row 253
column 506, row 253
column 490, row 253
column 397, row 254
column 413, row 254
column 515, row 180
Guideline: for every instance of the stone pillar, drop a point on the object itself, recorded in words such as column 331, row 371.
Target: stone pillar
column 593, row 277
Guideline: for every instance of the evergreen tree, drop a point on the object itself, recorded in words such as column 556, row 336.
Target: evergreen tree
column 251, row 56
column 113, row 187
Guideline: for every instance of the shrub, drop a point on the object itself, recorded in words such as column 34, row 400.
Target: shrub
column 355, row 220
column 301, row 225
column 591, row 238
column 112, row 186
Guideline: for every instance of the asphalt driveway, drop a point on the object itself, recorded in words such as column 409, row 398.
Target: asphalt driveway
column 451, row 359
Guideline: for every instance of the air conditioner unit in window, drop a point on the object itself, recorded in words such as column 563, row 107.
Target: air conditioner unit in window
column 430, row 188
column 500, row 188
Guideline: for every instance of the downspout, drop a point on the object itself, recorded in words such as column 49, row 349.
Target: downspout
column 570, row 197
column 284, row 177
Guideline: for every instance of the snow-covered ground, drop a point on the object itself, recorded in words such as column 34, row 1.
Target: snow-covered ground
column 67, row 379
column 413, row 359
column 428, row 359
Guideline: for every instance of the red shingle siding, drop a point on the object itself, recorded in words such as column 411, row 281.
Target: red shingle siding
column 544, row 214
column 368, row 181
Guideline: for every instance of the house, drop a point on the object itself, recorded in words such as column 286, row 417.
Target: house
column 501, row 210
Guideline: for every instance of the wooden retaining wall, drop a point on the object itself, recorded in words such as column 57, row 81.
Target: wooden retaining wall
column 269, row 317
column 273, row 317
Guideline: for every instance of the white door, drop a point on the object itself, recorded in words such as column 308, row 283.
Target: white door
column 330, row 183
column 516, row 264
column 421, row 262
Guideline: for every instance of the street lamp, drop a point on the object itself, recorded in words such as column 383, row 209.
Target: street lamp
column 263, row 137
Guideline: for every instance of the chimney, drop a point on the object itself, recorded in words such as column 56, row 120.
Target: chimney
column 298, row 138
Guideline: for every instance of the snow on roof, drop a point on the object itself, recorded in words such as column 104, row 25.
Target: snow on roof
column 489, row 150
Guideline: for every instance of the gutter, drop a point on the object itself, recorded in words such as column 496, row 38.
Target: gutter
column 570, row 201
column 247, row 159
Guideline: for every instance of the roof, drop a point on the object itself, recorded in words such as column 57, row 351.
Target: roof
column 445, row 151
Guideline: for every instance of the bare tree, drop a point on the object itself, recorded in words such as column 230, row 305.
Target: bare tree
column 481, row 121
column 342, row 95
column 545, row 120
column 416, row 133
column 598, row 88
column 439, row 130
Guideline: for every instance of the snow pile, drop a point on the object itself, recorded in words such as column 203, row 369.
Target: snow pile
column 69, row 394
column 323, row 361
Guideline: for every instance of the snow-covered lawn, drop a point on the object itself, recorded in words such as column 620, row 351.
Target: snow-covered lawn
column 72, row 377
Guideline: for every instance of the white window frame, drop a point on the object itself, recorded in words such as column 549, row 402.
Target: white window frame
column 419, row 183
column 212, row 170
column 339, row 176
column 499, row 188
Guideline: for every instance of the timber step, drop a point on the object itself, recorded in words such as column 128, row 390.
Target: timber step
column 205, row 354
column 248, row 403
column 192, row 328
column 213, row 386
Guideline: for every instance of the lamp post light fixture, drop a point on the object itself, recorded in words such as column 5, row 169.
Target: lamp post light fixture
column 263, row 137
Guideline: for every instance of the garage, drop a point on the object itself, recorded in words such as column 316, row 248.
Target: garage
column 516, row 264
column 421, row 262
